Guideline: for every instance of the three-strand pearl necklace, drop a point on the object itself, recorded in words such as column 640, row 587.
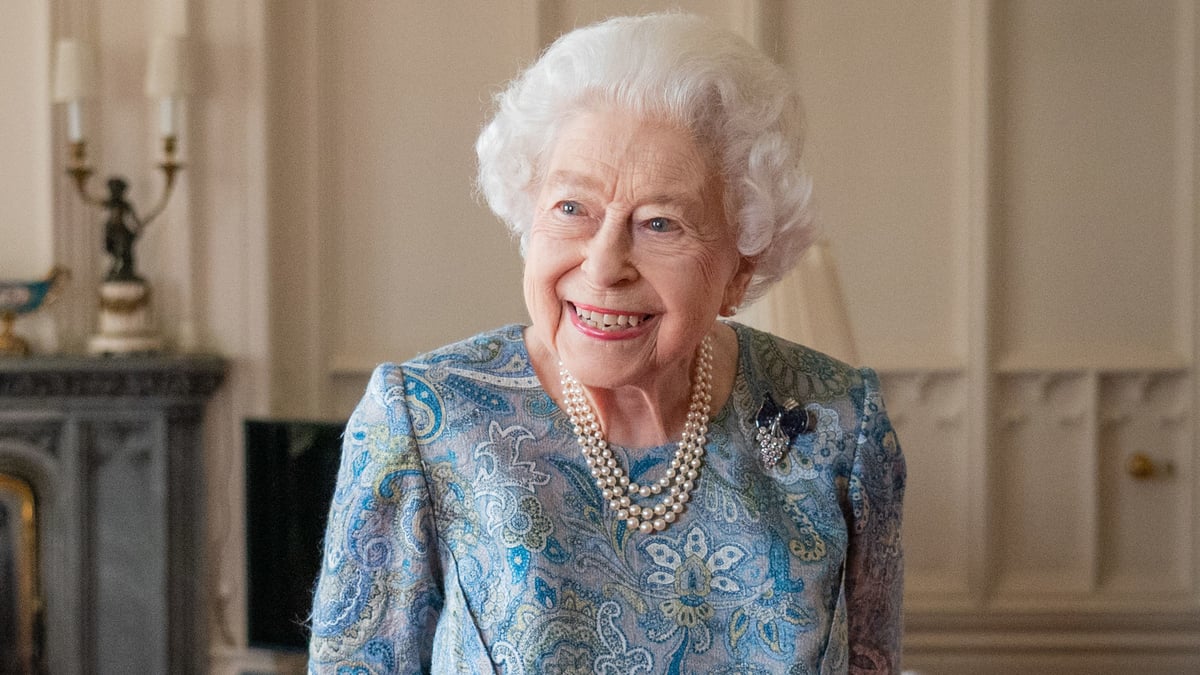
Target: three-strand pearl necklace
column 676, row 486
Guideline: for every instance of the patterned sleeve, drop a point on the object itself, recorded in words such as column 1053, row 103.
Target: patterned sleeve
column 378, row 596
column 874, row 566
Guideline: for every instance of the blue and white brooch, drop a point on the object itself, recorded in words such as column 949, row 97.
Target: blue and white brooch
column 778, row 426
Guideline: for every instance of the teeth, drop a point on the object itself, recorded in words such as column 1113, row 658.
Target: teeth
column 608, row 321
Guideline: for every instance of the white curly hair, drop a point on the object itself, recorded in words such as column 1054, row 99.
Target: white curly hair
column 695, row 74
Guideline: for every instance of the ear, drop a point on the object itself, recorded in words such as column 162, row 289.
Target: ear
column 735, row 290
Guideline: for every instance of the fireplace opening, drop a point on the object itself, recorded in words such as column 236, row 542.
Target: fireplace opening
column 291, row 469
column 20, row 603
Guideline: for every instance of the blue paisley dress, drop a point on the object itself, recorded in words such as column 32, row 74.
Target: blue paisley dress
column 466, row 534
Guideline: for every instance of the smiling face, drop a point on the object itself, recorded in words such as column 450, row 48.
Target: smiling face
column 629, row 258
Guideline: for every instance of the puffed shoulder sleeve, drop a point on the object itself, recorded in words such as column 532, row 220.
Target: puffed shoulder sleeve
column 875, row 562
column 378, row 596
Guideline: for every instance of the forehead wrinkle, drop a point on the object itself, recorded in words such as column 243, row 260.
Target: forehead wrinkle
column 574, row 179
column 681, row 184
column 667, row 180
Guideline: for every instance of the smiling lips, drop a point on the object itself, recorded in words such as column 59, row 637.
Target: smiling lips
column 608, row 321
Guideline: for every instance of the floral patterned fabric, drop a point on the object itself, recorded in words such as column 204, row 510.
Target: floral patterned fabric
column 466, row 534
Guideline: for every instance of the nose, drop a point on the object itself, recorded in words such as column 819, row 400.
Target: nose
column 608, row 254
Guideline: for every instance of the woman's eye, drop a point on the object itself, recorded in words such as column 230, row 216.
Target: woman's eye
column 660, row 224
column 569, row 208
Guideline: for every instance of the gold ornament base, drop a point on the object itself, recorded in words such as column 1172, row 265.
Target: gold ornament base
column 125, row 324
column 10, row 343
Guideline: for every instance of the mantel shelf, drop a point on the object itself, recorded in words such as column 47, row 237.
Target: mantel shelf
column 184, row 377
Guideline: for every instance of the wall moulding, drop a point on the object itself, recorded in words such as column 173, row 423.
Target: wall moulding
column 1108, row 361
column 1115, row 651
column 1050, row 628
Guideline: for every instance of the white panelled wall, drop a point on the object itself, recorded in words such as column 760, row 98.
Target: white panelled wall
column 1009, row 194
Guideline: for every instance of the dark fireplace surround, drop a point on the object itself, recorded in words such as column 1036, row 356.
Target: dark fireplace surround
column 112, row 451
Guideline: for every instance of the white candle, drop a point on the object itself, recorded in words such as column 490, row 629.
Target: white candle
column 166, row 78
column 74, row 121
column 73, row 81
column 166, row 116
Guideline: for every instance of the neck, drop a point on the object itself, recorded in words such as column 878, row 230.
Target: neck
column 639, row 417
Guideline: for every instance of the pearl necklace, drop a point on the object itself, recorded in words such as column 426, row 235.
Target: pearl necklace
column 614, row 483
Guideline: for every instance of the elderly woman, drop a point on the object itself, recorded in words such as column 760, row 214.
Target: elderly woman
column 628, row 484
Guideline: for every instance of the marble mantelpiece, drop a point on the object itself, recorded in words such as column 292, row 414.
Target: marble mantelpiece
column 111, row 447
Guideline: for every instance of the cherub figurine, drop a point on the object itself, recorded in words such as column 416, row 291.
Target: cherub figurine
column 120, row 232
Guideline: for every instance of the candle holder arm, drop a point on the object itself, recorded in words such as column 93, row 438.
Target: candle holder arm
column 170, row 168
column 80, row 172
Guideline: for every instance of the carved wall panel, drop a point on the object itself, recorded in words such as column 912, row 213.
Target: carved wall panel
column 125, row 521
column 1044, row 468
column 1145, row 497
column 928, row 410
